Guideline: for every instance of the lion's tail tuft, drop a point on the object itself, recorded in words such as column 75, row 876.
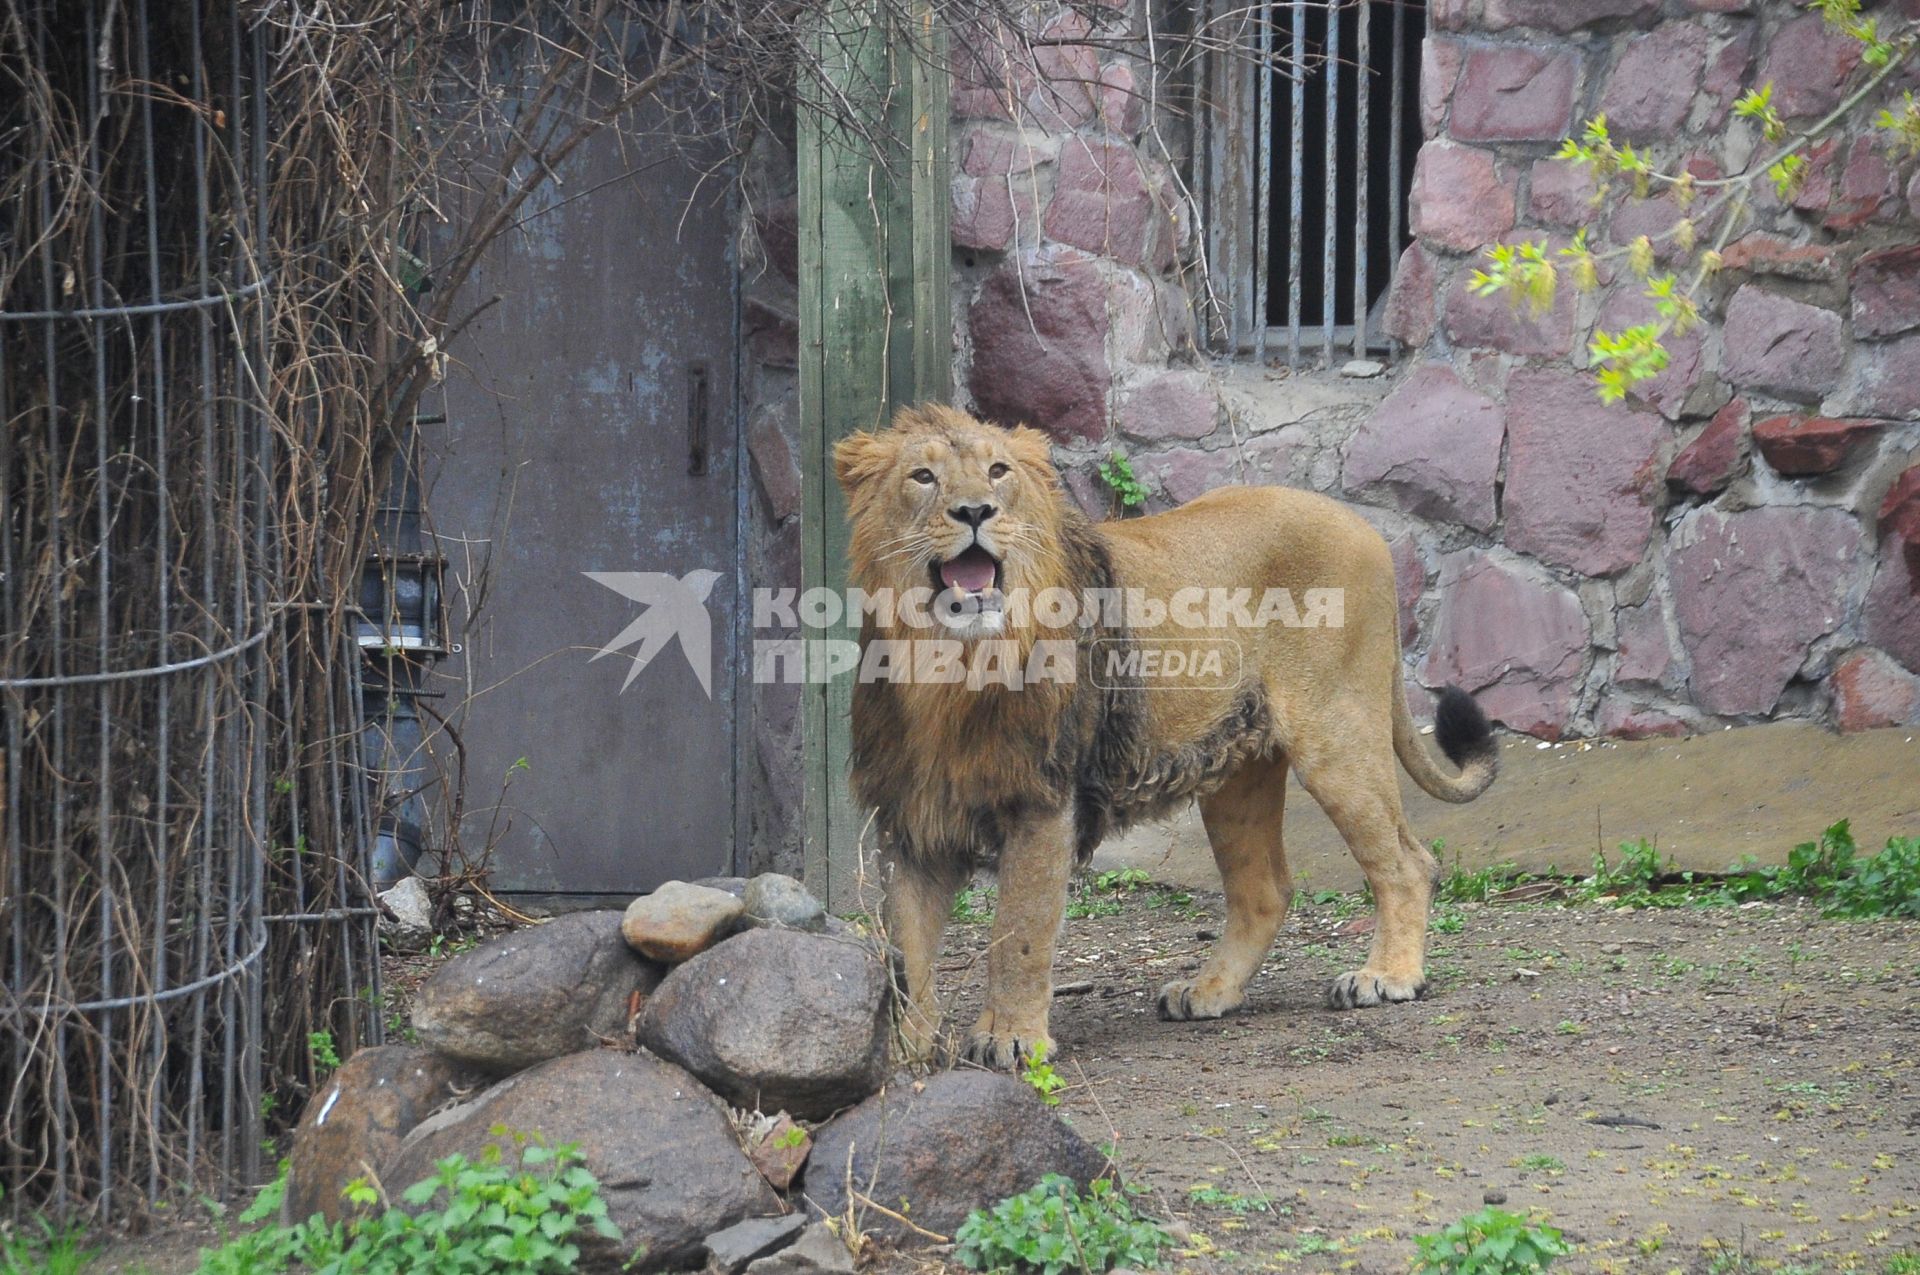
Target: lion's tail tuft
column 1464, row 735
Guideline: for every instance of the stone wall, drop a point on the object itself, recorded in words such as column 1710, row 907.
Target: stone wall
column 1733, row 544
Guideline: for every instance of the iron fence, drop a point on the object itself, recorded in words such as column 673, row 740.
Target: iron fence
column 182, row 829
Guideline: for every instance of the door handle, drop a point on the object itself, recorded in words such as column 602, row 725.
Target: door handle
column 698, row 397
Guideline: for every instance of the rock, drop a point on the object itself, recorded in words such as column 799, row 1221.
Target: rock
column 356, row 1120
column 1808, row 65
column 779, row 227
column 1458, row 199
column 1581, row 477
column 1890, row 617
column 1871, row 691
column 776, row 900
column 1865, row 189
column 729, row 1251
column 1439, row 70
column 1433, row 446
column 1752, row 591
column 1886, row 379
column 1040, row 344
column 1509, row 93
column 1653, row 83
column 1899, row 512
column 1564, row 16
column 774, row 465
column 1763, row 253
column 1622, row 719
column 1186, row 472
column 1803, row 446
column 1177, row 404
column 1673, row 387
column 1409, row 583
column 819, row 1249
column 1560, row 194
column 780, row 1151
column 1645, row 653
column 410, row 928
column 777, row 1020
column 1362, row 369
column 534, row 994
column 1716, row 456
column 661, row 1145
column 1780, row 345
column 1495, row 323
column 943, row 1147
column 679, row 921
column 1886, row 292
column 736, row 886
column 1523, row 670
column 1100, row 200
column 1726, row 74
column 1409, row 317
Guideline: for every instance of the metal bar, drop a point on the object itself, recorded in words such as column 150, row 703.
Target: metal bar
column 1263, row 187
column 1395, row 128
column 1329, row 290
column 1362, row 175
column 1296, row 201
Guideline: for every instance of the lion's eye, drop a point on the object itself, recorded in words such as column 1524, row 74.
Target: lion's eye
column 922, row 476
column 998, row 470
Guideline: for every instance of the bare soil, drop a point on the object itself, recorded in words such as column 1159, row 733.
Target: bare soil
column 1666, row 1086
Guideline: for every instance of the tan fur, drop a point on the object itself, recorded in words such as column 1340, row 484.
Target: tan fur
column 962, row 776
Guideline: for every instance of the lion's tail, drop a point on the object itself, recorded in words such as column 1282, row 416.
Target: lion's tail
column 1464, row 735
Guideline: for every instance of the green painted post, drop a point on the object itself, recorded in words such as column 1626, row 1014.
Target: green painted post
column 875, row 329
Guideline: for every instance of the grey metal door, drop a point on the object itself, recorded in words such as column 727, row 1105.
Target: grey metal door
column 589, row 430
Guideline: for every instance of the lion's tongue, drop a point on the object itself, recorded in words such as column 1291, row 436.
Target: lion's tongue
column 971, row 571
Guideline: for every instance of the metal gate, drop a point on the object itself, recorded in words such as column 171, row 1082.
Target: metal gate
column 583, row 487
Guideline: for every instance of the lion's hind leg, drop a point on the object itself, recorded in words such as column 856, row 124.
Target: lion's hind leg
column 1358, row 787
column 1243, row 822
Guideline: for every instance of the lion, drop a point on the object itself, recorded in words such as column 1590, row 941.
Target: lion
column 980, row 767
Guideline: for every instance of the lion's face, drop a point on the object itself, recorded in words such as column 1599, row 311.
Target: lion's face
column 944, row 503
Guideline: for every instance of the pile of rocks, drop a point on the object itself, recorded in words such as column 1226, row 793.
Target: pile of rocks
column 721, row 1053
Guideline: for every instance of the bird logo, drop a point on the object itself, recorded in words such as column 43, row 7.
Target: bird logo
column 675, row 608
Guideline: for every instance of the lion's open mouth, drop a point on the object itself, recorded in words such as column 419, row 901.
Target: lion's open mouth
column 973, row 570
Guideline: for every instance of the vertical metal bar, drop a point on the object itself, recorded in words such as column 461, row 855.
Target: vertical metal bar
column 1329, row 232
column 103, row 618
column 1296, row 201
column 1362, row 175
column 1263, row 188
column 162, row 548
column 1397, row 107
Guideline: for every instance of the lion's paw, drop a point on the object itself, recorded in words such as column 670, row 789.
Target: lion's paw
column 1004, row 1044
column 1360, row 988
column 1185, row 999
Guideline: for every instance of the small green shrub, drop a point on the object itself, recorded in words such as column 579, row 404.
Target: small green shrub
column 491, row 1215
column 1053, row 1228
column 38, row 1247
column 1116, row 471
column 1490, row 1242
column 1040, row 1074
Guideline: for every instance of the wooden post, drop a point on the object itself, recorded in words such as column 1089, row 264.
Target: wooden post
column 875, row 329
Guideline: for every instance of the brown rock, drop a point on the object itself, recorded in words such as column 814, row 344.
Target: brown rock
column 534, row 994
column 940, row 1148
column 1871, row 691
column 679, row 921
column 1512, row 94
column 357, row 1120
column 780, row 1151
column 1716, row 456
column 1886, row 292
column 661, row 1145
column 1458, row 200
column 1803, row 446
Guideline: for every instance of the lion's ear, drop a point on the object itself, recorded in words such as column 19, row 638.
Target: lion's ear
column 1032, row 449
column 861, row 456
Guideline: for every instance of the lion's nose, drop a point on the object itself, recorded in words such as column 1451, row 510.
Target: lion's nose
column 972, row 515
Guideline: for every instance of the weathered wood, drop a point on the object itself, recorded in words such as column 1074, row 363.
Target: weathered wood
column 875, row 329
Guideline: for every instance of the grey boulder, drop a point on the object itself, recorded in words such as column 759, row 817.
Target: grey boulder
column 534, row 994
column 777, row 1020
column 661, row 1145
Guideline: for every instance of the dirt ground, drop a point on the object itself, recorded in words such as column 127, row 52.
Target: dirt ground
column 1664, row 1086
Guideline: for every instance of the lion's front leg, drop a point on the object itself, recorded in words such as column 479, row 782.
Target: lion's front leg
column 919, row 902
column 1035, row 865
